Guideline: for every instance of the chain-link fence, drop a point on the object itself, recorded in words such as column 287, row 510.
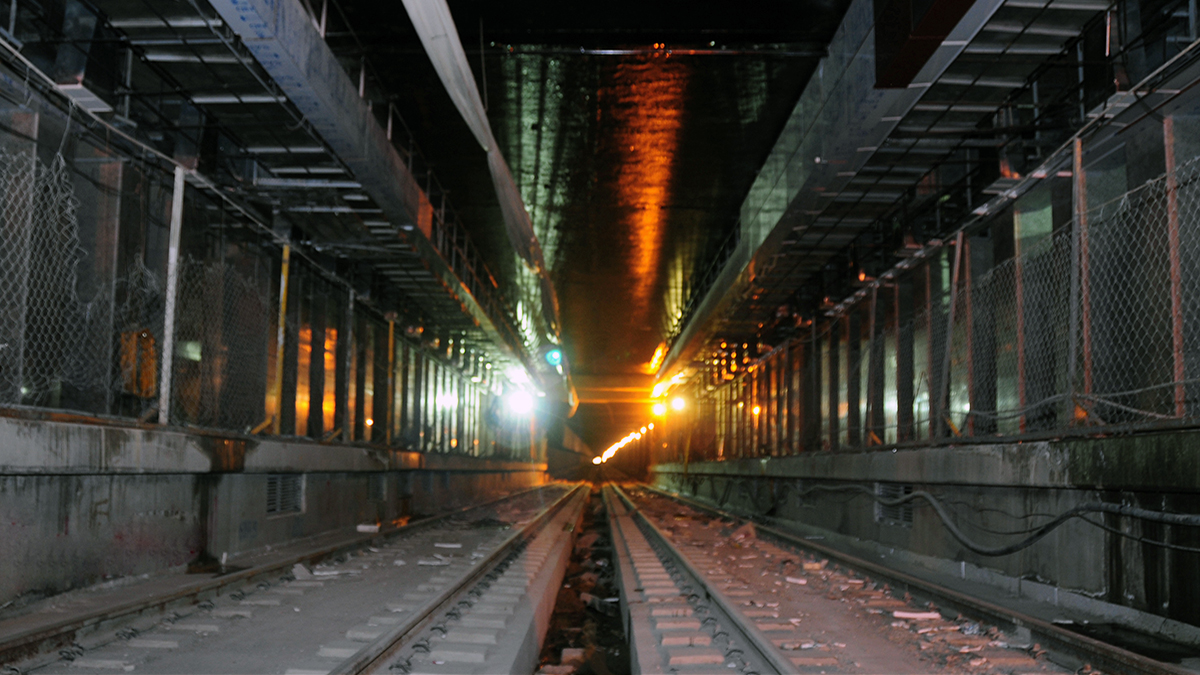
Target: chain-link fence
column 1053, row 315
column 221, row 344
column 84, row 325
column 40, row 349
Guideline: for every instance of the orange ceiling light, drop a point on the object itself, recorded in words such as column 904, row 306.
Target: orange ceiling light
column 655, row 361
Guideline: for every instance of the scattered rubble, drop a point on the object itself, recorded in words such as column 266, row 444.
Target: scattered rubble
column 942, row 644
column 586, row 632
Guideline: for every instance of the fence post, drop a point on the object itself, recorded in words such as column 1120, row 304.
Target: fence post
column 870, row 437
column 280, row 337
column 347, row 368
column 168, row 346
column 943, row 403
column 1080, row 311
column 969, row 328
column 1179, row 372
column 391, row 382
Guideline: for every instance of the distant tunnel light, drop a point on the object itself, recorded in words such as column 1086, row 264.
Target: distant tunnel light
column 643, row 430
column 678, row 403
column 519, row 402
column 659, row 409
column 596, row 460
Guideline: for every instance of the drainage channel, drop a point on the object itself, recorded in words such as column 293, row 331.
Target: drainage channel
column 356, row 610
column 586, row 634
column 935, row 618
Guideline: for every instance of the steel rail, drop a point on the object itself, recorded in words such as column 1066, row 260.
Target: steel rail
column 754, row 638
column 39, row 641
column 375, row 655
column 1078, row 648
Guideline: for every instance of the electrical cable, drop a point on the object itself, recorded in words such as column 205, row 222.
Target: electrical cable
column 1188, row 520
column 1038, row 533
column 1141, row 539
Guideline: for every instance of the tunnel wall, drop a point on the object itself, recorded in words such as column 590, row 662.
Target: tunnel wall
column 989, row 490
column 82, row 503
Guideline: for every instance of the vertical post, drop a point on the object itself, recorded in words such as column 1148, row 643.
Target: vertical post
column 1179, row 372
column 324, row 16
column 969, row 326
column 870, row 437
column 787, row 392
column 943, row 400
column 127, row 79
column 391, row 382
column 12, row 19
column 834, row 337
column 932, row 412
column 1081, row 319
column 347, row 368
column 280, row 340
column 168, row 346
column 1019, row 273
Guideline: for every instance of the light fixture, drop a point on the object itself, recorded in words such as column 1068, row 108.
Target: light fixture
column 554, row 357
column 596, row 460
column 678, row 403
column 519, row 402
column 757, row 410
column 644, row 429
column 659, row 409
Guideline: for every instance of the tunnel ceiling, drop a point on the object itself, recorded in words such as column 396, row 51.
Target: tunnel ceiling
column 634, row 131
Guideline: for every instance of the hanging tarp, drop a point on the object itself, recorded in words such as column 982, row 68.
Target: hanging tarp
column 435, row 26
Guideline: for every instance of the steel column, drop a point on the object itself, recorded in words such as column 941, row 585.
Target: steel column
column 280, row 339
column 943, row 403
column 168, row 346
column 1179, row 370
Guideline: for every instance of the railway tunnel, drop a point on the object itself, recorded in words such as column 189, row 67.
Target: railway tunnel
column 446, row 336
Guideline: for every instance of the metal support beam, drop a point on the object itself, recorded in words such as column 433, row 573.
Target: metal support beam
column 281, row 36
column 818, row 155
column 168, row 342
column 943, row 399
column 1179, row 371
column 280, row 340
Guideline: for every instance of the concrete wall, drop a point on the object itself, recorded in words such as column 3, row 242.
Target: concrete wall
column 82, row 502
column 991, row 491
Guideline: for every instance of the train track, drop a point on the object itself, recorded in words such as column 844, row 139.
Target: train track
column 469, row 590
column 675, row 617
column 1065, row 648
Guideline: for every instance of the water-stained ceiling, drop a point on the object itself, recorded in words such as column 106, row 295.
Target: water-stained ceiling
column 633, row 129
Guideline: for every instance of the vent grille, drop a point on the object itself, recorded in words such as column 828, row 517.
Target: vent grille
column 900, row 514
column 285, row 493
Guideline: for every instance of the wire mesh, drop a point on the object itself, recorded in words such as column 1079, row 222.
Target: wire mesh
column 41, row 311
column 1092, row 321
column 1140, row 307
column 221, row 341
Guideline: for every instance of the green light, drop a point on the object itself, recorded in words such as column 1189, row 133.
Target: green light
column 554, row 357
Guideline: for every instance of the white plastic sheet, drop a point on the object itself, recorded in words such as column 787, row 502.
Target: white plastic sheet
column 435, row 26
